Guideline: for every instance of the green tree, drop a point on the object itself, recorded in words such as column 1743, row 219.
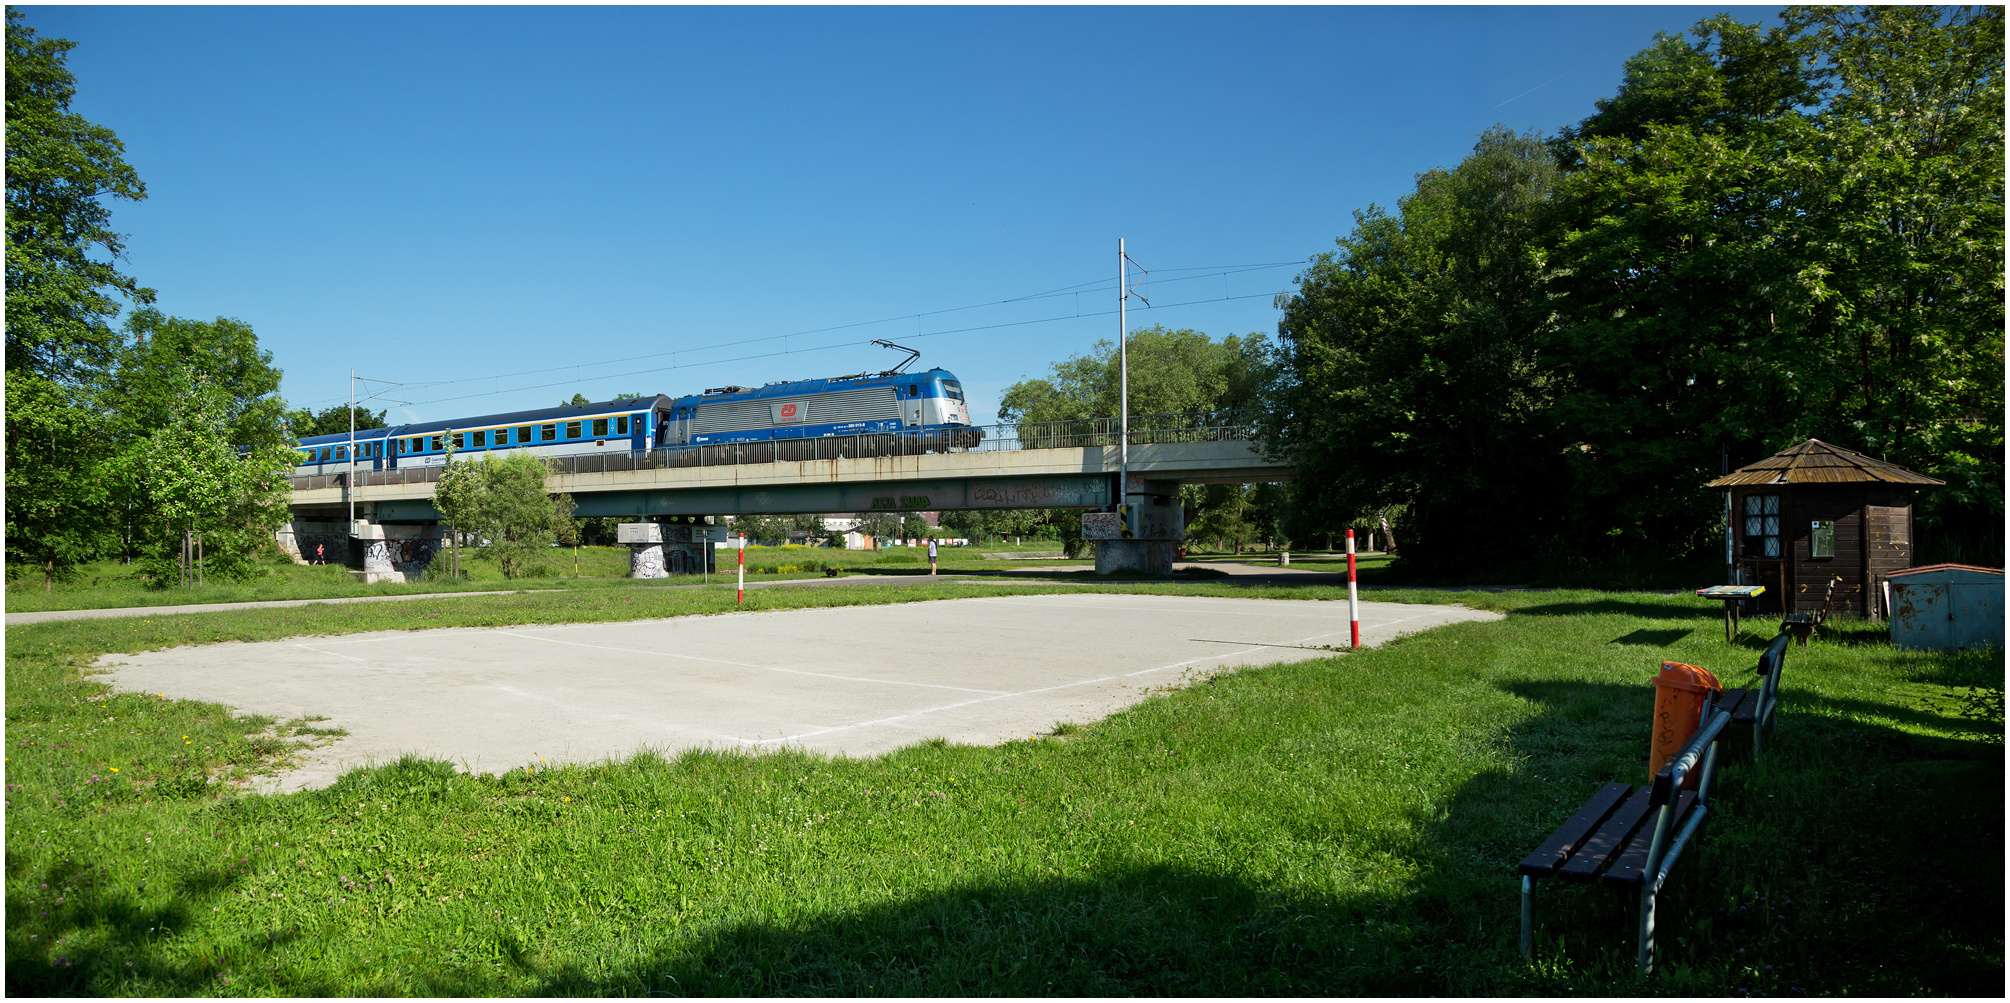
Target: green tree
column 1772, row 235
column 980, row 525
column 59, row 510
column 189, row 474
column 61, row 291
column 1171, row 372
column 140, row 390
column 578, row 400
column 1409, row 369
column 1225, row 517
column 332, row 420
column 502, row 498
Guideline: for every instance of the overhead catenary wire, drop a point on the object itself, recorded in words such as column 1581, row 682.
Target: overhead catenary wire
column 838, row 345
column 576, row 369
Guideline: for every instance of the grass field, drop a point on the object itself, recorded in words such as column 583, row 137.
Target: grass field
column 1347, row 825
column 108, row 585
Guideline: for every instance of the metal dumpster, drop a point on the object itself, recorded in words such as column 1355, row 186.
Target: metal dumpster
column 1945, row 606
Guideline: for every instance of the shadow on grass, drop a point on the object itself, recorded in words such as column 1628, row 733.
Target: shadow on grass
column 1652, row 638
column 1855, row 858
column 1624, row 607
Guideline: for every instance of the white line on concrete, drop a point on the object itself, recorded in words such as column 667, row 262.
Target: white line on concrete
column 1022, row 693
column 744, row 665
column 337, row 654
column 856, row 680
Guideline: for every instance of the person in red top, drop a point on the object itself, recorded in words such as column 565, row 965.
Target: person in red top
column 319, row 557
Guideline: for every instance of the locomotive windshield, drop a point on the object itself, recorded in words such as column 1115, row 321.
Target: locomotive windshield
column 953, row 389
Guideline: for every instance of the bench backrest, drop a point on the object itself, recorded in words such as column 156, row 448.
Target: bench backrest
column 1694, row 757
column 1771, row 662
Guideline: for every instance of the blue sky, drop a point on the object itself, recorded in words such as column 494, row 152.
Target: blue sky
column 501, row 206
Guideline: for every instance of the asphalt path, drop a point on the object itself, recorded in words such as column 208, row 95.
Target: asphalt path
column 1243, row 573
column 855, row 680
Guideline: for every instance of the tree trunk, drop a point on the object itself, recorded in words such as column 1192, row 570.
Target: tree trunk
column 48, row 577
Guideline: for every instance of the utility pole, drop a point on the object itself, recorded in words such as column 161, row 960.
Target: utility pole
column 350, row 484
column 1124, row 295
column 374, row 395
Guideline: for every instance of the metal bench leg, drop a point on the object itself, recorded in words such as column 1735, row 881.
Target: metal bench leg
column 1646, row 960
column 1527, row 918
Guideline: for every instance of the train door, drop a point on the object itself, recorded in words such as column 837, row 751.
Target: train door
column 910, row 405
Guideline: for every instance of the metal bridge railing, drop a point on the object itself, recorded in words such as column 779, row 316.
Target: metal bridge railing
column 1207, row 426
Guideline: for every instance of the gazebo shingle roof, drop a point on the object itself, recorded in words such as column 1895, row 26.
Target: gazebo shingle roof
column 1817, row 462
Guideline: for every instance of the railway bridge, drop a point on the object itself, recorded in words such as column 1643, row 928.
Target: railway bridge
column 1031, row 465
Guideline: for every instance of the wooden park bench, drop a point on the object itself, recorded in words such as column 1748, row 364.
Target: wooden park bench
column 1755, row 705
column 1629, row 836
column 1802, row 625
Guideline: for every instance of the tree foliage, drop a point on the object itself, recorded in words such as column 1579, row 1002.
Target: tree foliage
column 1781, row 235
column 62, row 292
column 977, row 525
column 1171, row 372
column 189, row 474
column 59, row 511
column 1765, row 235
column 1410, row 369
column 778, row 529
column 331, row 420
column 135, row 432
column 502, row 498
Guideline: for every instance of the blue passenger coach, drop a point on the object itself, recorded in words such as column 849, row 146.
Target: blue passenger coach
column 611, row 427
column 884, row 403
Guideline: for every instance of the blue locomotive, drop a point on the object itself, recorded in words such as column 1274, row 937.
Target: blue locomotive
column 890, row 403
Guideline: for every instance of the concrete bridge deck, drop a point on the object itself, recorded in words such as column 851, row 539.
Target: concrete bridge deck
column 1082, row 476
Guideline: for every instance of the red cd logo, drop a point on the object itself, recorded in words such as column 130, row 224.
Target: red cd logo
column 788, row 410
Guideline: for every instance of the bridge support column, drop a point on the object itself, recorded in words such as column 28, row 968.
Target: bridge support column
column 393, row 553
column 1161, row 526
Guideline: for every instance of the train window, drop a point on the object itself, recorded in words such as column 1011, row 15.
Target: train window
column 913, row 391
column 621, row 425
column 326, row 454
column 600, row 428
column 523, row 433
column 546, row 433
column 953, row 389
column 439, row 443
column 572, row 430
column 481, row 439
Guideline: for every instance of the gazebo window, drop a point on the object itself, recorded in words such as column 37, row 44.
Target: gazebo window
column 1762, row 525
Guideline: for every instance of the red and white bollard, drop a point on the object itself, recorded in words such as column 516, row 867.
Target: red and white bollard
column 742, row 600
column 1353, row 598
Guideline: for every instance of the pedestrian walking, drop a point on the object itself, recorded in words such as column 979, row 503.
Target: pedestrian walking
column 319, row 556
column 931, row 555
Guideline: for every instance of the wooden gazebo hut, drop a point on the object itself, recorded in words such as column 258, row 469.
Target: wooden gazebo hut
column 1813, row 513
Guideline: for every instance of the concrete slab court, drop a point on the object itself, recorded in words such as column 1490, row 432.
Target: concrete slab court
column 853, row 680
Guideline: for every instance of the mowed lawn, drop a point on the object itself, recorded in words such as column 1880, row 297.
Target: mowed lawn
column 109, row 584
column 1347, row 825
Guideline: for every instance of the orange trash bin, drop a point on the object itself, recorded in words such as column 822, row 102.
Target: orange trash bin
column 1679, row 693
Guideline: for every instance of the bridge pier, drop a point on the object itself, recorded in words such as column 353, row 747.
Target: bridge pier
column 392, row 552
column 656, row 550
column 1154, row 544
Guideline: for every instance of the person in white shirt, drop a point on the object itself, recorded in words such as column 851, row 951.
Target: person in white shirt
column 931, row 555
